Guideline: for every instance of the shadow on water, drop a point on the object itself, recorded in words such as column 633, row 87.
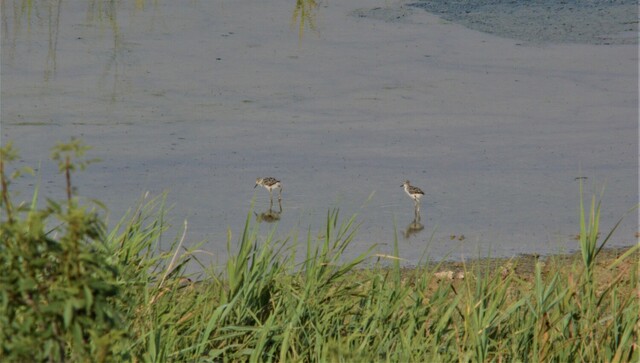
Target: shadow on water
column 270, row 215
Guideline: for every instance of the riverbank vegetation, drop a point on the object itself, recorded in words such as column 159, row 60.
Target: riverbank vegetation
column 72, row 289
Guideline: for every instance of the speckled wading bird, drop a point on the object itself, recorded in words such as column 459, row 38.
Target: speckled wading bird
column 414, row 193
column 270, row 184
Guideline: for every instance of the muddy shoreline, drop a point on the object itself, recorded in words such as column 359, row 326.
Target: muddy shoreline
column 523, row 265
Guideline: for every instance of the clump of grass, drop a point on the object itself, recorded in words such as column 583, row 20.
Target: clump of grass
column 83, row 293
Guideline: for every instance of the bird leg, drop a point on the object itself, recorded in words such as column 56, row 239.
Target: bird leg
column 280, row 195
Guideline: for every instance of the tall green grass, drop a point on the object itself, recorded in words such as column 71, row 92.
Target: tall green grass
column 78, row 292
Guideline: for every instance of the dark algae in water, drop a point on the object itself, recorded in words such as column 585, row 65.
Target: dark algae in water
column 544, row 21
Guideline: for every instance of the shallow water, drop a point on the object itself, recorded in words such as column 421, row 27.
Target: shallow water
column 199, row 99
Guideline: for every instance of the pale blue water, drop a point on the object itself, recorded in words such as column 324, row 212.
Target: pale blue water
column 199, row 99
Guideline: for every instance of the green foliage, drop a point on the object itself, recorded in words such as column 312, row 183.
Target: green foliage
column 57, row 286
column 69, row 158
column 7, row 155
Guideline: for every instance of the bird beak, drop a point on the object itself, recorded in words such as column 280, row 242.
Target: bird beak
column 255, row 186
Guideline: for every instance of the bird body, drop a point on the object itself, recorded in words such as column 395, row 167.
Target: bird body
column 414, row 193
column 270, row 184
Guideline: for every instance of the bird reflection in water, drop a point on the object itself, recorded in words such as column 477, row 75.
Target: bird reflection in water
column 270, row 215
column 414, row 227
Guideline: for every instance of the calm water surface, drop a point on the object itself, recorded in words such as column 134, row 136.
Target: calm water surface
column 200, row 98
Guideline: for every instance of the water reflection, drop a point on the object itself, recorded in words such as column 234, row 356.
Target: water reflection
column 414, row 227
column 271, row 215
column 21, row 13
column 20, row 16
column 304, row 14
column 54, row 27
column 106, row 12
